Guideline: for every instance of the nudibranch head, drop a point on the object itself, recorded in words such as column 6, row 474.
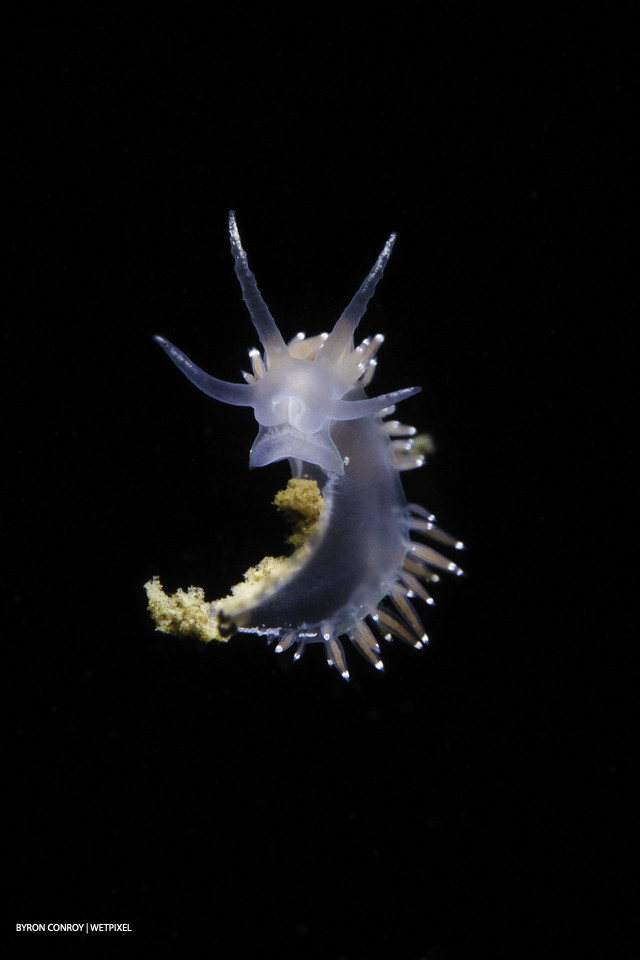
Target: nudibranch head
column 298, row 389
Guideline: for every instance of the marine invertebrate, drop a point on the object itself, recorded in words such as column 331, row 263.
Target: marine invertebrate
column 359, row 566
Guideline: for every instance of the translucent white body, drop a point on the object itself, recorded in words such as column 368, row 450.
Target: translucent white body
column 309, row 399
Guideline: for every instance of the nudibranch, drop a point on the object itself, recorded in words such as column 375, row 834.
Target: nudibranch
column 364, row 560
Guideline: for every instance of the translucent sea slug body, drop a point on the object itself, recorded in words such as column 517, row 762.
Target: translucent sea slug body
column 356, row 575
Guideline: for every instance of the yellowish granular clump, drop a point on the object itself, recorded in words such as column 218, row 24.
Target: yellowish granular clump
column 189, row 614
column 182, row 614
column 301, row 504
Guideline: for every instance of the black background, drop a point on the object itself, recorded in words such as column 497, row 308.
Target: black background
column 476, row 799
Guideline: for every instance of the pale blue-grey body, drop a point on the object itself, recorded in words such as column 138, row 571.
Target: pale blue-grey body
column 363, row 546
column 309, row 399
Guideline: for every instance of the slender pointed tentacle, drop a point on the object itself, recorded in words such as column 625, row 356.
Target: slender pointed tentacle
column 341, row 337
column 239, row 394
column 354, row 409
column 270, row 337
